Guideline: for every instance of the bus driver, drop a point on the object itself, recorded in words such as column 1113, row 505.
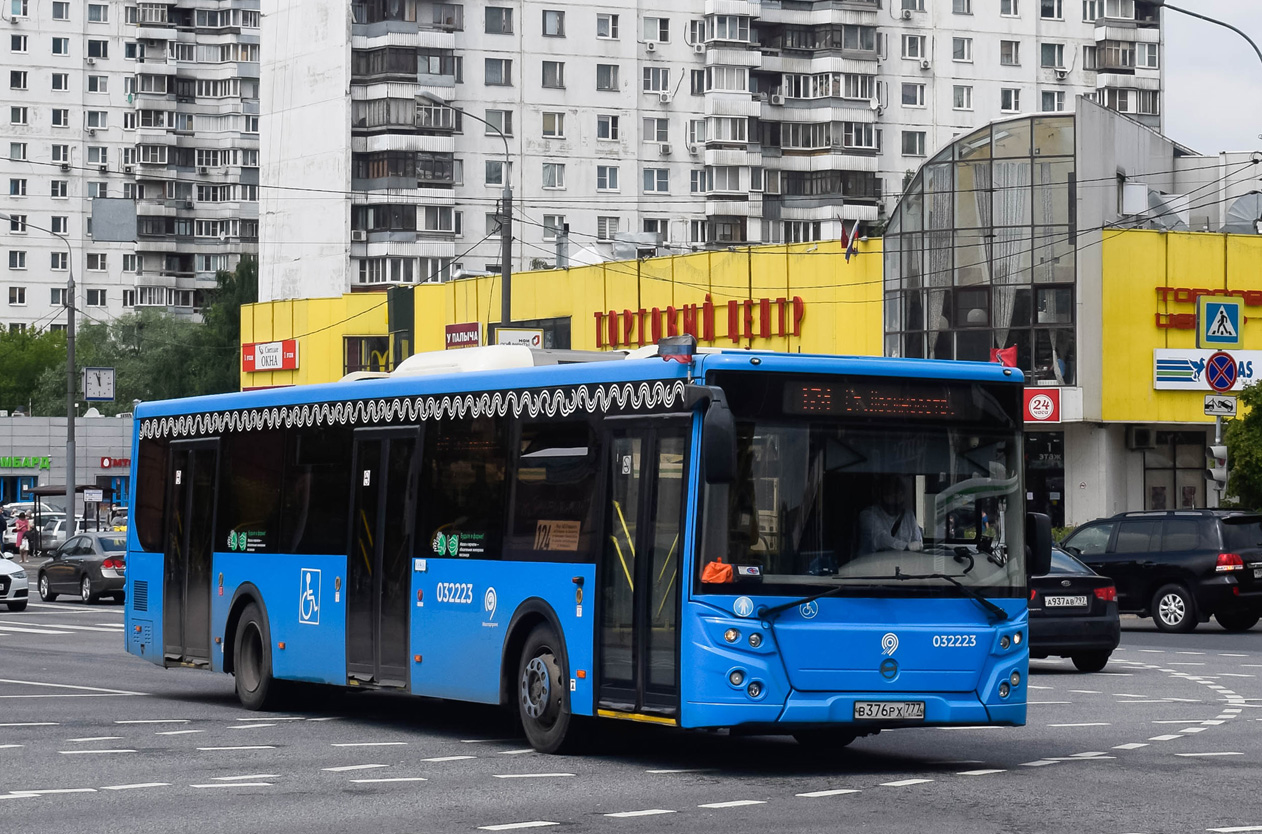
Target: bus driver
column 889, row 524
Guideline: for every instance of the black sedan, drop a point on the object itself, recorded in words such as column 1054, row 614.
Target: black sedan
column 1073, row 613
column 91, row 565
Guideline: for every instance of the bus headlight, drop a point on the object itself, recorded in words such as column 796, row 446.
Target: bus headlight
column 1015, row 678
column 1016, row 638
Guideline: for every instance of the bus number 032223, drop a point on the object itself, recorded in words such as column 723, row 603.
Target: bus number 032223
column 954, row 641
column 460, row 593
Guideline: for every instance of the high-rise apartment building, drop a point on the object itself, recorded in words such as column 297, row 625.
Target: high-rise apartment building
column 669, row 126
column 156, row 102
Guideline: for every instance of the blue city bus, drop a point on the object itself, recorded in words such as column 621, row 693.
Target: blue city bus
column 816, row 546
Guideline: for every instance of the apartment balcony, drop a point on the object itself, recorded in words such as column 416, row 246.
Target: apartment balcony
column 744, row 8
column 729, row 54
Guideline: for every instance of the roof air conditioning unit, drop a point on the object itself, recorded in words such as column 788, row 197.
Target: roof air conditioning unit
column 925, row 63
column 358, row 235
column 906, row 14
column 1140, row 437
column 202, row 169
column 698, row 48
column 664, row 149
column 91, row 61
column 1061, row 73
column 127, row 169
column 664, row 97
column 777, row 99
column 694, row 149
column 650, row 46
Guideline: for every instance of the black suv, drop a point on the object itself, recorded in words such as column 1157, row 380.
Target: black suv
column 1179, row 567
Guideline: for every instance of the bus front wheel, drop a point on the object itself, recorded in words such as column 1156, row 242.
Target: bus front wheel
column 252, row 662
column 542, row 696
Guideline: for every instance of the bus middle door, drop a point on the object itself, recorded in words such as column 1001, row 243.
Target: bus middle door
column 639, row 575
column 192, row 476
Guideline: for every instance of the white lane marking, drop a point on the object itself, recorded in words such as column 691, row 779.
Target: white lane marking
column 834, row 792
column 1153, row 651
column 1232, row 711
column 1191, row 755
column 8, row 623
column 250, row 726
column 448, row 758
column 66, row 609
column 1036, row 686
column 1194, row 729
column 96, row 738
column 244, row 747
column 979, row 772
column 234, row 785
column 17, row 630
column 1039, row 763
column 136, row 786
column 902, row 783
column 32, row 724
column 1047, row 703
column 651, row 812
column 1197, row 653
column 1134, row 745
column 509, row 826
column 352, row 767
column 529, row 775
column 1189, row 663
column 153, row 721
column 278, row 718
column 1085, row 691
column 516, row 752
column 1078, row 757
column 395, row 779
column 488, row 741
column 736, row 803
column 1236, row 675
column 247, row 776
column 1097, row 724
column 12, row 746
column 70, row 686
column 1229, row 654
column 48, row 791
column 1179, row 721
column 110, row 625
column 1237, row 828
column 1091, row 754
column 1165, row 738
column 90, row 752
column 682, row 770
column 177, row 732
column 1213, row 722
column 370, row 744
column 326, row 718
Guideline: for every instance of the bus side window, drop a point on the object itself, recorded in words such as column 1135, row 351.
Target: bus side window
column 250, row 475
column 317, row 489
column 463, row 488
column 151, row 488
column 554, row 493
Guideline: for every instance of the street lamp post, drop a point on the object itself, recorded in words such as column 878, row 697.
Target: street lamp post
column 69, row 302
column 505, row 216
column 1214, row 20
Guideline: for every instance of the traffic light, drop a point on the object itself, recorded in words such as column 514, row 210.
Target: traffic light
column 1216, row 465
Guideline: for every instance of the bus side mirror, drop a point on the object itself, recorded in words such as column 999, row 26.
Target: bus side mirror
column 1038, row 537
column 718, row 443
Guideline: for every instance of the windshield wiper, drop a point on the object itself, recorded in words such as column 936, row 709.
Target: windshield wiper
column 767, row 613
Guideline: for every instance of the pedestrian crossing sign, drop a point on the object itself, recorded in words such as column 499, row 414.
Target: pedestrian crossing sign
column 1218, row 321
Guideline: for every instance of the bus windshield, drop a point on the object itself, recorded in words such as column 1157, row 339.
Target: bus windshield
column 865, row 484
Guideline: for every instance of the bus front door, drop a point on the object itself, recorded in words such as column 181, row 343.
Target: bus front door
column 639, row 574
column 192, row 475
column 378, row 572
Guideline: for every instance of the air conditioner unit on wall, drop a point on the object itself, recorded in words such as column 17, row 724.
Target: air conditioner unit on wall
column 777, row 99
column 650, row 46
column 925, row 63
column 906, row 14
column 127, row 169
column 1061, row 73
column 358, row 235
column 91, row 61
column 694, row 149
column 664, row 149
column 698, row 48
column 1140, row 437
column 202, row 169
column 663, row 97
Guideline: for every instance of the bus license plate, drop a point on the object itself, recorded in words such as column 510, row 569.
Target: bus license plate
column 895, row 710
column 1064, row 602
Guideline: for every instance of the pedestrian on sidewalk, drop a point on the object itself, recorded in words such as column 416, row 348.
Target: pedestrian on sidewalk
column 22, row 527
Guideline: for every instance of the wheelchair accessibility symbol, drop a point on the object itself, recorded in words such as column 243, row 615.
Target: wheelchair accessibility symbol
column 309, row 597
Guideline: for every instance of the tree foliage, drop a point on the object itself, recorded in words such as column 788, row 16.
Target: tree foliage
column 1244, row 449
column 25, row 356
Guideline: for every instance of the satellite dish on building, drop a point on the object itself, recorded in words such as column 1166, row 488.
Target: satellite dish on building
column 1243, row 215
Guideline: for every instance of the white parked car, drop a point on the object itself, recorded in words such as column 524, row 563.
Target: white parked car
column 13, row 585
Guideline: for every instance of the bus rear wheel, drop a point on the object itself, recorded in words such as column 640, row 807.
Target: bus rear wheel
column 543, row 703
column 252, row 662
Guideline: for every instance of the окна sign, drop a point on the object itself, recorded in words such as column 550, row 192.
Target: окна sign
column 270, row 356
column 751, row 318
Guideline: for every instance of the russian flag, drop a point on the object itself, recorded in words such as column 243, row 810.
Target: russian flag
column 851, row 241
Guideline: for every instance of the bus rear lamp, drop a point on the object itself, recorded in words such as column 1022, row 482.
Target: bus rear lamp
column 1015, row 678
column 754, row 689
column 1004, row 690
column 731, row 635
column 755, row 640
column 736, row 677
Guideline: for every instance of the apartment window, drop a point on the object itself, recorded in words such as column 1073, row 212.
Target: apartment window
column 57, row 296
column 131, row 263
column 659, row 226
column 1146, row 55
column 98, row 84
column 61, row 46
column 607, row 26
column 1010, row 100
column 914, row 46
column 1052, row 55
column 961, row 49
column 17, row 79
column 553, row 24
column 17, row 296
column 17, row 186
column 657, row 130
column 494, row 172
column 729, row 28
column 1092, row 10
column 17, row 43
column 913, row 95
column 657, row 29
column 17, row 259
column 1147, row 102
column 1053, row 101
column 96, row 298
column 98, row 49
column 59, row 188
column 20, row 8
column 553, row 224
column 1009, row 8
column 61, row 81
column 554, row 125
column 17, row 151
column 913, row 143
column 61, row 10
column 696, row 181
column 606, row 177
column 499, row 72
column 1090, row 58
column 697, row 83
column 656, row 180
column 499, row 20
column 57, row 262
column 98, row 155
column 17, row 224
column 60, row 117
column 1051, row 9
column 553, row 175
column 98, row 13
column 961, row 6
column 606, row 127
column 606, row 76
column 913, row 5
column 130, row 120
column 499, row 121
column 97, row 189
column 1010, row 53
column 656, row 79
column 96, row 262
column 554, row 74
column 60, row 224
column 18, row 115
column 607, row 227
column 962, row 97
